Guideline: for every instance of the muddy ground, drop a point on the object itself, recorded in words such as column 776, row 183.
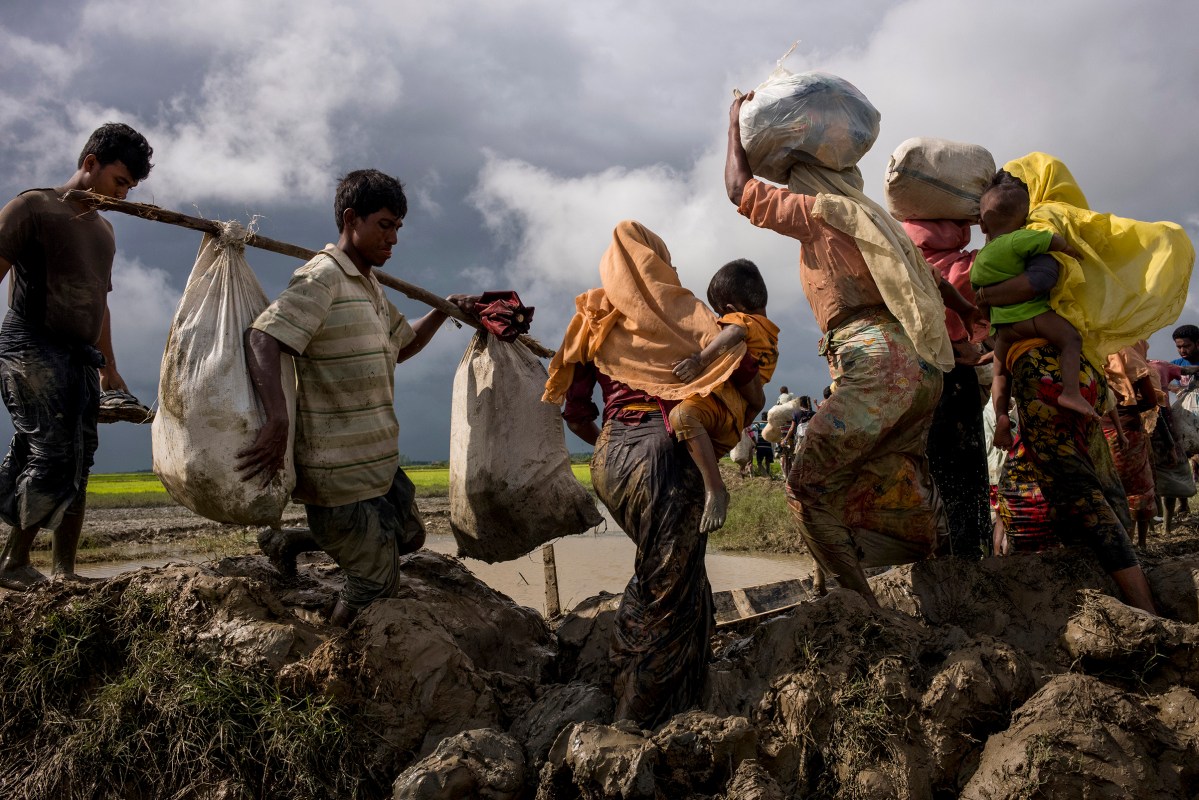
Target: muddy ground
column 130, row 534
column 1008, row 678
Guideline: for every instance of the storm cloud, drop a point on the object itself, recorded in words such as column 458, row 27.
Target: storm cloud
column 524, row 131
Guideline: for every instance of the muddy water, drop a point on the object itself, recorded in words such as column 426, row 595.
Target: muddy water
column 587, row 564
column 108, row 569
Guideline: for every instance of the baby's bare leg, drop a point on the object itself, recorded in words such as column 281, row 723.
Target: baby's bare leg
column 716, row 496
column 1062, row 335
column 1001, row 394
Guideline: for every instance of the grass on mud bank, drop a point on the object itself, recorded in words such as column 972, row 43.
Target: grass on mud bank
column 759, row 518
column 101, row 696
column 144, row 490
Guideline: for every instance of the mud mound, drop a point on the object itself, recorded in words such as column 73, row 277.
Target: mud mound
column 583, row 639
column 1175, row 586
column 1116, row 641
column 1006, row 678
column 866, row 702
column 164, row 680
column 481, row 764
column 694, row 754
column 1023, row 599
column 1079, row 737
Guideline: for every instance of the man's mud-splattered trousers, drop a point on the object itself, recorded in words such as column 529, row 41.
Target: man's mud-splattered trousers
column 52, row 391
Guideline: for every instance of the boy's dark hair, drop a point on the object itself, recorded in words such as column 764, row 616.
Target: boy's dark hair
column 116, row 141
column 366, row 191
column 1186, row 332
column 1011, row 194
column 805, row 402
column 738, row 283
column 828, row 392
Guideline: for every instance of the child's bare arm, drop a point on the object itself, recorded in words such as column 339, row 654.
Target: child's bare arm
column 691, row 368
column 1006, row 293
column 1001, row 393
column 956, row 302
column 1059, row 245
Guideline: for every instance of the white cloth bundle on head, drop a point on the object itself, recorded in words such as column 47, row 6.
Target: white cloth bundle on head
column 807, row 117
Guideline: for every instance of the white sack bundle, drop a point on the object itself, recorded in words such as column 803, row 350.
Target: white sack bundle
column 807, row 117
column 743, row 452
column 207, row 408
column 511, row 485
column 929, row 178
column 778, row 419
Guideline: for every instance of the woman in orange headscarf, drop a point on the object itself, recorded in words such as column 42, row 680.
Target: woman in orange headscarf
column 625, row 336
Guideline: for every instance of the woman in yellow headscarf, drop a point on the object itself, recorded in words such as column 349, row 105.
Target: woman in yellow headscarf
column 1130, row 281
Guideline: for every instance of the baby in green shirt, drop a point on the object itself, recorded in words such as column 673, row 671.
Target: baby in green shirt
column 1003, row 210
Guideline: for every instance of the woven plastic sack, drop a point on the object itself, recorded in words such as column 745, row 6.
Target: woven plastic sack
column 743, row 451
column 806, row 117
column 778, row 418
column 207, row 408
column 511, row 485
column 930, row 178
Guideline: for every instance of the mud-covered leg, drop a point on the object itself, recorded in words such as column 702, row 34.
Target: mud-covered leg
column 15, row 571
column 283, row 545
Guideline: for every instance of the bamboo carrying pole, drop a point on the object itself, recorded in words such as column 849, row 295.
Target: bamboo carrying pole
column 156, row 214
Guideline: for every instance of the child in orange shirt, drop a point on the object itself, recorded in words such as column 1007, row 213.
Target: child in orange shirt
column 703, row 424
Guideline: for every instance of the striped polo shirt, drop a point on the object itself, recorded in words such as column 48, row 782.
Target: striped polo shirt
column 348, row 336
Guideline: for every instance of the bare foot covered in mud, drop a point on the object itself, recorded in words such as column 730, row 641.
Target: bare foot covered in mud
column 273, row 543
column 716, row 508
column 21, row 579
column 1075, row 402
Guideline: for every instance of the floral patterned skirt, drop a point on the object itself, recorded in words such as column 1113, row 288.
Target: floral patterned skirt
column 1066, row 456
column 860, row 480
column 1134, row 464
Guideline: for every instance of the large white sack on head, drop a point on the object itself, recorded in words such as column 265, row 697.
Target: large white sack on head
column 207, row 408
column 511, row 486
column 930, row 178
column 807, row 117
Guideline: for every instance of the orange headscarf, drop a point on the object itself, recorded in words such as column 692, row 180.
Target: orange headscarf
column 639, row 324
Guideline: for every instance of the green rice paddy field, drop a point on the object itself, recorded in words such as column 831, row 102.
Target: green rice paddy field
column 758, row 520
column 143, row 489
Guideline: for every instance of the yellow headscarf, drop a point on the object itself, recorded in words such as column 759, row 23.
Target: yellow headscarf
column 639, row 324
column 1133, row 277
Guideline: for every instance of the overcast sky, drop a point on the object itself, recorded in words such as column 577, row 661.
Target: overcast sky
column 525, row 130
